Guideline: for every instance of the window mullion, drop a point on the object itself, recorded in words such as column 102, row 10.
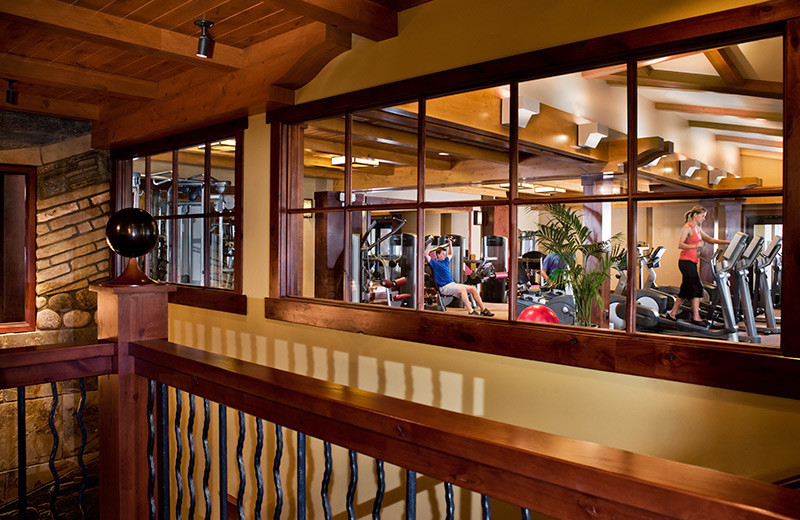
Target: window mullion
column 631, row 173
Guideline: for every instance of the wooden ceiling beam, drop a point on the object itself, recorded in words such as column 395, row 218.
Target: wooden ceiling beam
column 235, row 94
column 736, row 128
column 54, row 107
column 97, row 27
column 702, row 82
column 725, row 64
column 363, row 17
column 750, row 141
column 719, row 111
column 29, row 70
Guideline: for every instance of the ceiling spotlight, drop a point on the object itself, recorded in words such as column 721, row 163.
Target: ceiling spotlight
column 205, row 45
column 11, row 94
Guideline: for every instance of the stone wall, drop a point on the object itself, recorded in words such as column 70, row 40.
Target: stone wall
column 72, row 209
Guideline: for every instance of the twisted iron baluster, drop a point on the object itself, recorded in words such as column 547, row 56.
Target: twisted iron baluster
column 276, row 471
column 301, row 476
column 22, row 452
column 376, row 507
column 240, row 462
column 82, row 449
column 486, row 510
column 449, row 503
column 326, row 481
column 163, row 451
column 151, row 442
column 257, row 462
column 351, row 488
column 190, row 440
column 207, row 454
column 223, row 462
column 51, row 421
column 411, row 495
column 178, row 455
column 526, row 514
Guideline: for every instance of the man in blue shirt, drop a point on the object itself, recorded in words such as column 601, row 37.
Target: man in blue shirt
column 550, row 264
column 443, row 278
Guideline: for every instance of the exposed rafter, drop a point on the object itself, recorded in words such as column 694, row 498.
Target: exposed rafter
column 702, row 82
column 736, row 128
column 725, row 64
column 98, row 27
column 361, row 17
column 718, row 111
column 750, row 141
column 58, row 75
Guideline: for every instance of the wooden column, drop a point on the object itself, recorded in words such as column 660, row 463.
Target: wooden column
column 126, row 313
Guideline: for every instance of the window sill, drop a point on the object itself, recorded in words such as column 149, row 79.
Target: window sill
column 711, row 363
column 17, row 326
column 206, row 298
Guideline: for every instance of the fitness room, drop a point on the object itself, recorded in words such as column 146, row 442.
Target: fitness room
column 555, row 248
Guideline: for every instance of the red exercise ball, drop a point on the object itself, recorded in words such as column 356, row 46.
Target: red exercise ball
column 538, row 313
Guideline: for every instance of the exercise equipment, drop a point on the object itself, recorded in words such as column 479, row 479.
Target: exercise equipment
column 763, row 303
column 388, row 267
column 538, row 313
column 649, row 319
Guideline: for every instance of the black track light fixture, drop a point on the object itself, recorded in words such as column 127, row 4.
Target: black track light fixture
column 205, row 45
column 11, row 94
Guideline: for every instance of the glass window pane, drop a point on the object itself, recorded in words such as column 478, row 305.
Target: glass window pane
column 221, row 252
column 161, row 184
column 466, row 146
column 159, row 258
column 476, row 254
column 738, row 291
column 191, row 180
column 560, row 272
column 139, row 171
column 223, row 175
column 712, row 119
column 316, row 254
column 190, row 249
column 385, row 155
column 383, row 260
column 575, row 142
column 322, row 174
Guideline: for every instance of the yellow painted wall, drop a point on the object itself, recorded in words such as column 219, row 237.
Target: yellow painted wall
column 746, row 434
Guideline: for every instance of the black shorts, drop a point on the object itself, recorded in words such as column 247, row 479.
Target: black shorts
column 691, row 286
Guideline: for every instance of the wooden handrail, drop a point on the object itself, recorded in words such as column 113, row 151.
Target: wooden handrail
column 47, row 363
column 555, row 475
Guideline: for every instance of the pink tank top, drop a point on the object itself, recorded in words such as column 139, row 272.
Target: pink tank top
column 693, row 240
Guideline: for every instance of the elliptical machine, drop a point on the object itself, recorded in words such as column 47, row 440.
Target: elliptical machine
column 650, row 320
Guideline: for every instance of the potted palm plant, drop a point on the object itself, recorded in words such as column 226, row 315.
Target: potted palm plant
column 587, row 263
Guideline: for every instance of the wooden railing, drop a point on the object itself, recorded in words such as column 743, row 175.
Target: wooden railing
column 536, row 471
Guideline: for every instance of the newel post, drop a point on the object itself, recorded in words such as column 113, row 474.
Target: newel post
column 126, row 314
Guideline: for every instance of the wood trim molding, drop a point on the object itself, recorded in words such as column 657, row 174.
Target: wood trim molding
column 551, row 474
column 207, row 298
column 743, row 367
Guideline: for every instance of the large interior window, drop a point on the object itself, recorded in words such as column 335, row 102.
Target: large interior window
column 193, row 190
column 530, row 190
column 17, row 199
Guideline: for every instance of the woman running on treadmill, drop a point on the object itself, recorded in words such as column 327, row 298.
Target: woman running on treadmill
column 690, row 241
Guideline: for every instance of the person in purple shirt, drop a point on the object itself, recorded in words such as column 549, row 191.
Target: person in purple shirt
column 443, row 278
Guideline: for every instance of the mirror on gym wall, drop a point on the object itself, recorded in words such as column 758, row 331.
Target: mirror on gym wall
column 384, row 155
column 569, row 253
column 467, row 247
column 466, row 146
column 322, row 142
column 710, row 269
column 712, row 119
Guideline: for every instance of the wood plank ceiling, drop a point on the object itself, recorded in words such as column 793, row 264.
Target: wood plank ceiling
column 131, row 67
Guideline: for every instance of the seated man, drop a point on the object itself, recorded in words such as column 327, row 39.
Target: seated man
column 551, row 264
column 443, row 278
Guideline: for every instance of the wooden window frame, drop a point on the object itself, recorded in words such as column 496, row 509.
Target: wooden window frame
column 29, row 323
column 711, row 363
column 225, row 300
